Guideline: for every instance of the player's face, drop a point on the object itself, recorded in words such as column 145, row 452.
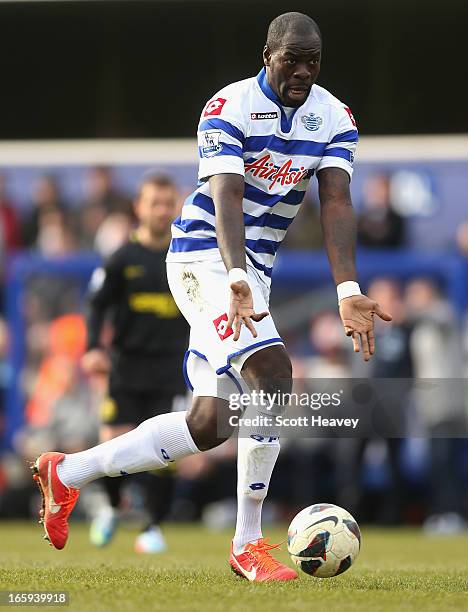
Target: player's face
column 293, row 68
column 156, row 207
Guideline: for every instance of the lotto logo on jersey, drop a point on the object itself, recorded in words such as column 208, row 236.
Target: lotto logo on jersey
column 222, row 327
column 257, row 116
column 214, row 107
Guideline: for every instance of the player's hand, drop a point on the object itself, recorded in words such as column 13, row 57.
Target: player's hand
column 96, row 361
column 241, row 309
column 357, row 314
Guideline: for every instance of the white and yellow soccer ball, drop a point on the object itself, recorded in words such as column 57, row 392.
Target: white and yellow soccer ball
column 324, row 540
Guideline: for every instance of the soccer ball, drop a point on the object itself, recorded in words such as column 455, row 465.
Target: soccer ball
column 324, row 540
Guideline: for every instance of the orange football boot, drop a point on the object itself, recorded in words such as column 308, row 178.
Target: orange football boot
column 58, row 500
column 256, row 563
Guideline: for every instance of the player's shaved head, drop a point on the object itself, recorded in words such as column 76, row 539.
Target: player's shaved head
column 290, row 23
column 292, row 56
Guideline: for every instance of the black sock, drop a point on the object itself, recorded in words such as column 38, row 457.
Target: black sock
column 112, row 487
column 158, row 489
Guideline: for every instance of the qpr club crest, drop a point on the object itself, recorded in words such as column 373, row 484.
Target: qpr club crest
column 211, row 145
column 311, row 122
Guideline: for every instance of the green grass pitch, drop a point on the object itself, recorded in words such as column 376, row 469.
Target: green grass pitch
column 396, row 570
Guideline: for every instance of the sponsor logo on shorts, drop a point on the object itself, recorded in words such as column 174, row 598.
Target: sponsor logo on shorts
column 222, row 327
column 214, row 107
column 271, row 115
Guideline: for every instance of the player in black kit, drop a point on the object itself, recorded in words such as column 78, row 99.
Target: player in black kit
column 149, row 340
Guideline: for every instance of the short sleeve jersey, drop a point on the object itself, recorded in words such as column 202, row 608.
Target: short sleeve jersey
column 245, row 130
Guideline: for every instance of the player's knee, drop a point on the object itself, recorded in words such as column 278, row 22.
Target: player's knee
column 203, row 427
column 269, row 369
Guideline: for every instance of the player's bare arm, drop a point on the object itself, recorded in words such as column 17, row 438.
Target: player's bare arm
column 339, row 231
column 227, row 191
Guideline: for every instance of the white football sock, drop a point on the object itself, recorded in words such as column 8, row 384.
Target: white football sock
column 257, row 451
column 152, row 445
column 255, row 463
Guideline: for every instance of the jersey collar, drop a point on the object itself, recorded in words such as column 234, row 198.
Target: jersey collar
column 286, row 122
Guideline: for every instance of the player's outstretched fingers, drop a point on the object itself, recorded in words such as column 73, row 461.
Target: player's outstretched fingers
column 354, row 336
column 259, row 316
column 248, row 323
column 371, row 338
column 230, row 321
column 382, row 314
column 365, row 346
column 237, row 327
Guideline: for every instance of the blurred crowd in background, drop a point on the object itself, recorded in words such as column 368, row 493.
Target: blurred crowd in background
column 418, row 480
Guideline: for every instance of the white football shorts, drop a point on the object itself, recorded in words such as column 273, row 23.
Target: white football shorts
column 213, row 360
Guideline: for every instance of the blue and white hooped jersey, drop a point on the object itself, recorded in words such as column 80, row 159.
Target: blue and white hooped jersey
column 245, row 130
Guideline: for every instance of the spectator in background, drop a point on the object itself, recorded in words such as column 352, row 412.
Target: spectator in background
column 47, row 203
column 9, row 222
column 393, row 358
column 55, row 237
column 379, row 225
column 435, row 340
column 66, row 343
column 437, row 353
column 113, row 232
column 329, row 344
column 102, row 199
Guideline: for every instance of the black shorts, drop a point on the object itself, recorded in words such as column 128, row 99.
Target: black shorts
column 124, row 406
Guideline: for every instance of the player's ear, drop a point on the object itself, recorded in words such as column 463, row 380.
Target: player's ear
column 266, row 55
